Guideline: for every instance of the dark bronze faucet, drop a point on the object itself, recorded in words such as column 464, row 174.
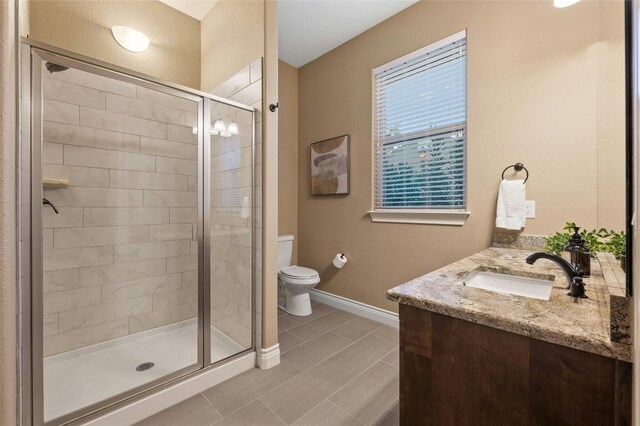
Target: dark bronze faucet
column 46, row 202
column 574, row 275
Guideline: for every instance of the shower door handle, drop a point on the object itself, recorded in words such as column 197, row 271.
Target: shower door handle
column 46, row 202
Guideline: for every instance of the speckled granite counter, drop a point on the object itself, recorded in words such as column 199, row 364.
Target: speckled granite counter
column 577, row 323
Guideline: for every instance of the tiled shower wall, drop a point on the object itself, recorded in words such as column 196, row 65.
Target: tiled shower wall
column 231, row 215
column 120, row 257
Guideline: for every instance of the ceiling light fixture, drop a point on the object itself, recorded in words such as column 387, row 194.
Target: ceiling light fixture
column 130, row 39
column 232, row 128
column 564, row 3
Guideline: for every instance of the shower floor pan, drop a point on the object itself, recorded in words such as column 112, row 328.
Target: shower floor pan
column 78, row 378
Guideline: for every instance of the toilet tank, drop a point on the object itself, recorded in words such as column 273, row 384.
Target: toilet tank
column 285, row 248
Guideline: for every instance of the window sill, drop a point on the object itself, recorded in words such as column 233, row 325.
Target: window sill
column 425, row 217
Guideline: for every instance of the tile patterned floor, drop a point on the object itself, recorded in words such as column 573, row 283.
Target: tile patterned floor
column 336, row 369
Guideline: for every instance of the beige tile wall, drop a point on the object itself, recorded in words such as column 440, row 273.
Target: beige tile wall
column 119, row 258
column 231, row 252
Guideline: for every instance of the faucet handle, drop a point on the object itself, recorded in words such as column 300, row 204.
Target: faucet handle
column 577, row 288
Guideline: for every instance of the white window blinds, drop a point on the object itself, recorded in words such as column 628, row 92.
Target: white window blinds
column 420, row 121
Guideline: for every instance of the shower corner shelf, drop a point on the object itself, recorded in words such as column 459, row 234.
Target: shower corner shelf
column 55, row 183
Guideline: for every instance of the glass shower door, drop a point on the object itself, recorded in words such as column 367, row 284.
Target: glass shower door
column 231, row 237
column 120, row 185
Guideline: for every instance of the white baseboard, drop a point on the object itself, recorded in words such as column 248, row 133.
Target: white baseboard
column 356, row 308
column 145, row 407
column 269, row 357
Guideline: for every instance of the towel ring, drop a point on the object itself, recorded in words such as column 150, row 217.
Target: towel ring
column 518, row 167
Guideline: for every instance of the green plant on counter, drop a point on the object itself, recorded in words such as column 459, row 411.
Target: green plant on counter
column 601, row 240
column 593, row 240
column 616, row 243
column 556, row 243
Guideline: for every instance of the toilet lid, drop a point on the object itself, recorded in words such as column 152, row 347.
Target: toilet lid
column 299, row 272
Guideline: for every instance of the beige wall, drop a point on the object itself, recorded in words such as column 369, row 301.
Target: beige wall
column 288, row 153
column 8, row 385
column 84, row 27
column 534, row 95
column 232, row 37
column 611, row 117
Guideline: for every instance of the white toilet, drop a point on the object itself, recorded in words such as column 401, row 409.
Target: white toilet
column 294, row 281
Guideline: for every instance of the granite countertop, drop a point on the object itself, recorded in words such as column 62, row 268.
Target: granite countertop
column 577, row 323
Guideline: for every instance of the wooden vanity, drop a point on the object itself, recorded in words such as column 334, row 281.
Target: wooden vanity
column 474, row 357
column 455, row 372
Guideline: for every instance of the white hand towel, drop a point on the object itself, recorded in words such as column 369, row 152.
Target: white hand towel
column 510, row 209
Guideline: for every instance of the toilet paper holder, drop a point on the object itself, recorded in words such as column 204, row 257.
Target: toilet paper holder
column 340, row 260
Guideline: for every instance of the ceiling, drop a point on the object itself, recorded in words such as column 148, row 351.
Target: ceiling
column 307, row 29
column 195, row 8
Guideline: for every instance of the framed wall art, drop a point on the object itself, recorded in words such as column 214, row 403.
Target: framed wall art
column 330, row 166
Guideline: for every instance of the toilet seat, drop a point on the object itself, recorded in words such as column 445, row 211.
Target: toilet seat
column 308, row 278
column 299, row 272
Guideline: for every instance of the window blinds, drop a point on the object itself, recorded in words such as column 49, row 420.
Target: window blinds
column 420, row 128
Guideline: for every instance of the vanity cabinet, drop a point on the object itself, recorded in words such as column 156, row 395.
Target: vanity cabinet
column 456, row 372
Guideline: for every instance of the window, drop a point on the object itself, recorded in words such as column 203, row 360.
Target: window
column 420, row 135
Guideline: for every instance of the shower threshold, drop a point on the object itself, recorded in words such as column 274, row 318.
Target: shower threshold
column 81, row 377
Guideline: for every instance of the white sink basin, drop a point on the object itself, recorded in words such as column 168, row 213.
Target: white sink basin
column 509, row 284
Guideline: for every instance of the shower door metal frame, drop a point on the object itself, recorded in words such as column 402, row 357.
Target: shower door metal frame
column 30, row 252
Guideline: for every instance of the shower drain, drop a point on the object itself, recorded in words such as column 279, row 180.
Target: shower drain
column 145, row 366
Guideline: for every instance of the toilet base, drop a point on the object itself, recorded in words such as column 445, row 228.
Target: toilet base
column 298, row 303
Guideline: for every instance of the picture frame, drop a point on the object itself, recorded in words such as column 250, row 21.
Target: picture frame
column 330, row 166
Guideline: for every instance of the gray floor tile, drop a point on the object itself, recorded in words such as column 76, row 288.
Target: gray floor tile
column 393, row 358
column 317, row 311
column 254, row 414
column 367, row 397
column 327, row 414
column 357, row 328
column 344, row 315
column 294, row 399
column 388, row 418
column 286, row 323
column 282, row 312
column 288, row 341
column 312, row 329
column 390, row 333
column 362, row 354
column 228, row 396
column 325, row 394
column 316, row 350
column 195, row 411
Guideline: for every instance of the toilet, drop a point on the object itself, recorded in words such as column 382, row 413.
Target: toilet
column 294, row 282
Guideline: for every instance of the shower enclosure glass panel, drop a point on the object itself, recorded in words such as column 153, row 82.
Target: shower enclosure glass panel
column 231, row 236
column 137, row 234
column 120, row 297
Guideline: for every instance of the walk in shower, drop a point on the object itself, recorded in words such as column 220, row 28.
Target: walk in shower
column 137, row 229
